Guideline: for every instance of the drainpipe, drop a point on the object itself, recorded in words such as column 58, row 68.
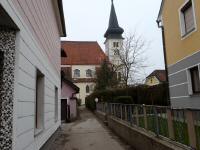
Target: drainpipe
column 165, row 58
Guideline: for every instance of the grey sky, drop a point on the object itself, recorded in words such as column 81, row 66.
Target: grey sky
column 87, row 20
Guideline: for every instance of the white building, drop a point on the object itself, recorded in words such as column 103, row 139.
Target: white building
column 29, row 72
column 80, row 65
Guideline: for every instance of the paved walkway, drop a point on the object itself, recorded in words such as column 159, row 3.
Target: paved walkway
column 87, row 133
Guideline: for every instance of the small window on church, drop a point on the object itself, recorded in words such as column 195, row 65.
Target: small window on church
column 87, row 89
column 115, row 44
column 89, row 73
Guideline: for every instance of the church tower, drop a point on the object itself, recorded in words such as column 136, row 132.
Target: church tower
column 114, row 39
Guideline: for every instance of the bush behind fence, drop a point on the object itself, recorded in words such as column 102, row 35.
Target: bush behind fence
column 155, row 95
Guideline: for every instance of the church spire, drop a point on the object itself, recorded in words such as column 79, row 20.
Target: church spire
column 114, row 30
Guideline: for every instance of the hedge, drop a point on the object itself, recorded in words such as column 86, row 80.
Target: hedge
column 155, row 95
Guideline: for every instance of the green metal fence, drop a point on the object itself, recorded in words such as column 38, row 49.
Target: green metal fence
column 180, row 125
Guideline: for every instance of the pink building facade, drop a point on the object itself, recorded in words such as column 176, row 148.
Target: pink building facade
column 69, row 104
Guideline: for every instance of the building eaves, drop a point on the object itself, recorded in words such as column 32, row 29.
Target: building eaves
column 60, row 5
column 160, row 11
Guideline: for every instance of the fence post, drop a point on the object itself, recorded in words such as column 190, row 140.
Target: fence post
column 125, row 107
column 114, row 109
column 170, row 123
column 145, row 117
column 191, row 128
column 131, row 115
column 111, row 109
column 136, row 116
column 157, row 122
column 121, row 111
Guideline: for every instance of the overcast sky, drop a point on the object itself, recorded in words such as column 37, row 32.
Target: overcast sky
column 87, row 20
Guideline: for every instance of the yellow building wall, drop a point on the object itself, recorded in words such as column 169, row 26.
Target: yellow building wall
column 151, row 81
column 176, row 47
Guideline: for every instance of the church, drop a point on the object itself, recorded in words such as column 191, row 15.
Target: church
column 85, row 57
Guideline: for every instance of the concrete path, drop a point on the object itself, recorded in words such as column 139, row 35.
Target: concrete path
column 87, row 133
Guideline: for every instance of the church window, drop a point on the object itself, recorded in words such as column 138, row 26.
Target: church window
column 89, row 73
column 115, row 44
column 76, row 73
column 87, row 89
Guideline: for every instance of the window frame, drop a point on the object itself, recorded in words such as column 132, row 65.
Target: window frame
column 184, row 33
column 87, row 89
column 56, row 105
column 190, row 81
column 115, row 44
column 89, row 74
column 78, row 73
column 39, row 102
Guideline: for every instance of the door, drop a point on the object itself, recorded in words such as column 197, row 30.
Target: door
column 64, row 110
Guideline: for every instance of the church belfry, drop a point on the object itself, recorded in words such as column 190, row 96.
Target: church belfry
column 113, row 35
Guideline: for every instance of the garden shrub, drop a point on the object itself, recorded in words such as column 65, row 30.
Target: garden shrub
column 124, row 100
column 142, row 94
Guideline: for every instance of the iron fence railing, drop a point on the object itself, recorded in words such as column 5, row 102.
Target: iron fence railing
column 180, row 125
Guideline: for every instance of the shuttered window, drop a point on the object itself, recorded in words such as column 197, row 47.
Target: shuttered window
column 187, row 19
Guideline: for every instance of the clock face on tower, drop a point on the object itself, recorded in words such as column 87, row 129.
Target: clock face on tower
column 116, row 51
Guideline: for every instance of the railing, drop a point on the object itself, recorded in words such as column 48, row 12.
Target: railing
column 180, row 125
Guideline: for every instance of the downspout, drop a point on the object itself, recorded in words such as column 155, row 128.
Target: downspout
column 165, row 59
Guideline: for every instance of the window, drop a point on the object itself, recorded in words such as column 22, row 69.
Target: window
column 87, row 89
column 187, row 18
column 89, row 73
column 56, row 104
column 195, row 81
column 115, row 44
column 76, row 73
column 39, row 103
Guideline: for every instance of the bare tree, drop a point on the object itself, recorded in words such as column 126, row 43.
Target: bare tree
column 132, row 59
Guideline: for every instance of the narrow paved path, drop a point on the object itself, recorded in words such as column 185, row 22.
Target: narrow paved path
column 87, row 133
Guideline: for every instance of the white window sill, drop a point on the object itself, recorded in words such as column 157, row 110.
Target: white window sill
column 186, row 35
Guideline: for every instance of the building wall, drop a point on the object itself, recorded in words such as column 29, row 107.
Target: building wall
column 82, row 94
column 39, row 16
column 66, row 91
column 41, row 51
column 7, row 50
column 151, row 81
column 178, row 48
column 182, row 54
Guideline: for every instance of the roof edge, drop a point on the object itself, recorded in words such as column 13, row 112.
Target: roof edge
column 60, row 5
column 59, row 16
column 160, row 11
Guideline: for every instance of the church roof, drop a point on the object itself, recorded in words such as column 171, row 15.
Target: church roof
column 114, row 30
column 82, row 53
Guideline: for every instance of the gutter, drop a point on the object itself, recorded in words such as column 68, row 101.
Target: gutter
column 60, row 5
column 165, row 58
